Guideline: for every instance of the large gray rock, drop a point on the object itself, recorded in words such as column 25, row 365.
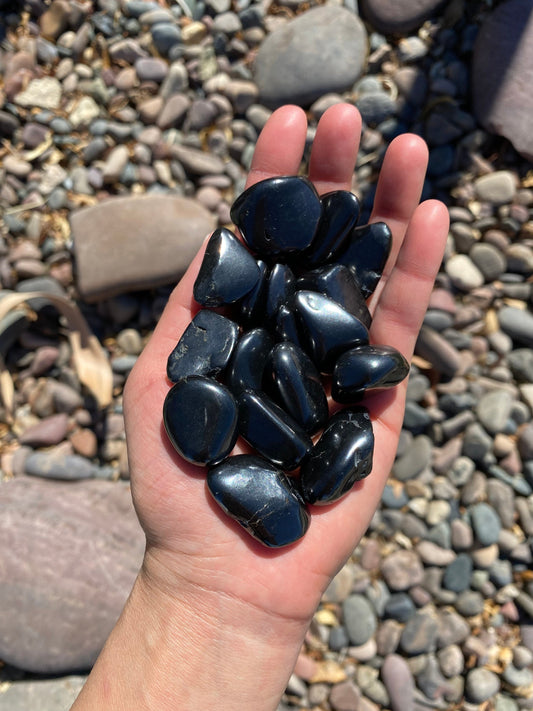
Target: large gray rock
column 322, row 51
column 70, row 554
column 391, row 16
column 48, row 695
column 501, row 74
column 132, row 243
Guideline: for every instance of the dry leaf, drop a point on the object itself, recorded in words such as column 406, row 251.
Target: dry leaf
column 90, row 360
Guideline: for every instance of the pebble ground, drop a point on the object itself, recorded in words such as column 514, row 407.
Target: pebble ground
column 112, row 99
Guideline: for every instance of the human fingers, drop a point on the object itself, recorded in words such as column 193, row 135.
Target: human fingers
column 398, row 192
column 280, row 146
column 405, row 294
column 334, row 148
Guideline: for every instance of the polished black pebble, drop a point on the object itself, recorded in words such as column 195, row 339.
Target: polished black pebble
column 366, row 251
column 286, row 327
column 278, row 217
column 251, row 308
column 327, row 329
column 228, row 271
column 294, row 383
column 261, row 498
column 340, row 212
column 367, row 368
column 273, row 433
column 200, row 417
column 280, row 288
column 245, row 370
column 204, row 348
column 342, row 456
column 338, row 282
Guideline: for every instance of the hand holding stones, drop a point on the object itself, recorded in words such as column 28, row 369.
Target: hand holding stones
column 304, row 284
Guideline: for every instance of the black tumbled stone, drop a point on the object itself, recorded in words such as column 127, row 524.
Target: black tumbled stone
column 252, row 306
column 278, row 217
column 279, row 290
column 367, row 368
column 342, row 456
column 245, row 370
column 338, row 282
column 340, row 212
column 228, row 271
column 271, row 431
column 327, row 328
column 294, row 383
column 261, row 498
column 204, row 348
column 200, row 417
column 366, row 251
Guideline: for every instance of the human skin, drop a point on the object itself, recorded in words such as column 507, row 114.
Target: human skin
column 216, row 620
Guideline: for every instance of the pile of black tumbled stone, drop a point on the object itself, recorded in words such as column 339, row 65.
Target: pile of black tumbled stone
column 294, row 323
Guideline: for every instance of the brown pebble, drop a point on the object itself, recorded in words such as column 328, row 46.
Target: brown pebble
column 84, row 442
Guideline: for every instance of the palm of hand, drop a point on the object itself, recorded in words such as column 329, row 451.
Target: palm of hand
column 189, row 540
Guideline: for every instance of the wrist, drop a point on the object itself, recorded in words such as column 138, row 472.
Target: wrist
column 191, row 648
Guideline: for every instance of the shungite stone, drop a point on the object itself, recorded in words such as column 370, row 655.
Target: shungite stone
column 280, row 288
column 278, row 217
column 251, row 307
column 294, row 383
column 340, row 212
column 204, row 348
column 342, row 456
column 273, row 433
column 338, row 282
column 327, row 328
column 261, row 498
column 367, row 368
column 286, row 326
column 247, row 364
column 200, row 417
column 366, row 251
column 228, row 271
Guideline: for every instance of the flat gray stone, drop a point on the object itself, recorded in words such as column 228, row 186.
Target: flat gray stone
column 134, row 243
column 71, row 552
column 494, row 409
column 518, row 324
column 359, row 619
column 501, row 68
column 48, row 695
column 391, row 16
column 399, row 682
column 481, row 684
column 321, row 51
column 498, row 187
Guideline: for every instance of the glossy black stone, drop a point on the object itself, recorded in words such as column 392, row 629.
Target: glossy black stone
column 342, row 456
column 261, row 498
column 247, row 364
column 251, row 307
column 294, row 383
column 367, row 368
column 327, row 329
column 228, row 271
column 338, row 282
column 271, row 431
column 200, row 417
column 366, row 251
column 280, row 288
column 340, row 212
column 204, row 348
column 278, row 217
column 286, row 327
